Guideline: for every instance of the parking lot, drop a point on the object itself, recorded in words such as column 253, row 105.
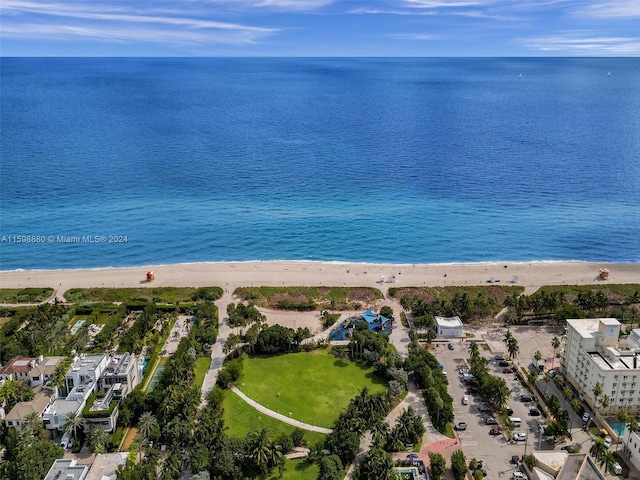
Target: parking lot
column 495, row 451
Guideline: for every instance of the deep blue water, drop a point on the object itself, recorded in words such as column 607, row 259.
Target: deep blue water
column 367, row 160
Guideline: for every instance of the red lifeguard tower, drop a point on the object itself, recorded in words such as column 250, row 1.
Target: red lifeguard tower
column 150, row 277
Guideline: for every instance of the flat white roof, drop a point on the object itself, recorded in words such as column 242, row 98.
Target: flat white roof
column 449, row 321
column 588, row 327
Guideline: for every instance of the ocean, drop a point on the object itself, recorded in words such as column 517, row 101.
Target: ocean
column 146, row 161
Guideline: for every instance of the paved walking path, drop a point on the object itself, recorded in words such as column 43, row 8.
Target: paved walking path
column 279, row 416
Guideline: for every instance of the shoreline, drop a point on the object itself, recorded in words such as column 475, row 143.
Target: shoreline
column 231, row 275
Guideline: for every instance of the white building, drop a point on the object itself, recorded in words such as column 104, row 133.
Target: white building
column 449, row 327
column 631, row 450
column 66, row 469
column 81, row 381
column 592, row 355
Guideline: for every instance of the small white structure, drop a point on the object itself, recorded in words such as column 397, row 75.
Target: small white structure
column 449, row 327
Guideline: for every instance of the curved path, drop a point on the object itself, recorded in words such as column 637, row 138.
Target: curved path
column 279, row 416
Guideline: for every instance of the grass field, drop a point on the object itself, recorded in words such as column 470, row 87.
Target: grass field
column 297, row 470
column 313, row 387
column 202, row 367
column 156, row 294
column 242, row 419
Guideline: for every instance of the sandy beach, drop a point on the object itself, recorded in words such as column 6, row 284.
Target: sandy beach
column 230, row 275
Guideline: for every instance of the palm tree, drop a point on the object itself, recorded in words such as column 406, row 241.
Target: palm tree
column 546, row 378
column 605, row 401
column 72, row 422
column 555, row 343
column 623, row 417
column 608, row 460
column 259, row 449
column 98, row 440
column 537, row 356
column 32, row 422
column 147, row 424
column 512, row 348
column 597, row 449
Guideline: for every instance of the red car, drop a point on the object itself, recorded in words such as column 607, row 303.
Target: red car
column 507, row 370
column 495, row 431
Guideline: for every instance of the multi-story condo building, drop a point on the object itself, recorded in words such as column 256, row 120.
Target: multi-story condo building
column 593, row 354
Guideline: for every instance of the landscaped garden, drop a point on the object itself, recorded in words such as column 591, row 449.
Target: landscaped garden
column 312, row 387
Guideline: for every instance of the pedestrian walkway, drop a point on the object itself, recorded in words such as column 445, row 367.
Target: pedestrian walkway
column 279, row 416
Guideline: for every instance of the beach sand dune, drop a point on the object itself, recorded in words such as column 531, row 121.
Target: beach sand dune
column 230, row 275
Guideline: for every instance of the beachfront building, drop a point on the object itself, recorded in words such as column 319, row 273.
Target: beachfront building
column 66, row 469
column 124, row 370
column 449, row 327
column 105, row 465
column 18, row 368
column 593, row 355
column 80, row 382
column 560, row 465
column 42, row 397
column 631, row 447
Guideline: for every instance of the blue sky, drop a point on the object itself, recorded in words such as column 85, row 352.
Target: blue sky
column 423, row 28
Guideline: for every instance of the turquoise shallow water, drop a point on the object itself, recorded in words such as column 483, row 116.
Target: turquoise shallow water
column 370, row 160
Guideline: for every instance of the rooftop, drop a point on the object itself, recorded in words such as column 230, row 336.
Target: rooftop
column 85, row 364
column 68, row 468
column 18, row 364
column 449, row 321
column 585, row 327
column 105, row 465
column 22, row 409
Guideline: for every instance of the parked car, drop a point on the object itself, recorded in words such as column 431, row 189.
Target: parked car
column 526, row 398
column 552, row 373
column 490, row 421
column 465, row 400
column 473, row 389
column 484, row 408
column 515, row 460
column 413, row 456
column 585, row 417
column 607, row 441
column 509, row 411
column 450, row 346
column 507, row 370
column 519, row 436
column 495, row 431
column 519, row 476
column 460, row 426
column 499, row 358
column 534, row 412
column 617, row 469
column 503, row 363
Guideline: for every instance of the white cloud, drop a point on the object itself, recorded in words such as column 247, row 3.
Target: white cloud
column 118, row 23
column 622, row 9
column 412, row 36
column 584, row 43
column 443, row 3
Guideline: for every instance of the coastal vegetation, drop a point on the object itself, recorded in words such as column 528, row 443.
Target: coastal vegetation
column 144, row 294
column 472, row 303
column 310, row 298
column 25, row 295
column 556, row 303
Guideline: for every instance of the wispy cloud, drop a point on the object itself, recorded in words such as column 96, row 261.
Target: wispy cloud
column 443, row 3
column 118, row 23
column 585, row 43
column 413, row 36
column 621, row 9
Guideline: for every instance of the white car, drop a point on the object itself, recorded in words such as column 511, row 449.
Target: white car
column 585, row 417
column 465, row 400
column 519, row 476
column 607, row 441
column 519, row 436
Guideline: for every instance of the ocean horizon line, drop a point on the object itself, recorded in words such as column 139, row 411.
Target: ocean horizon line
column 319, row 262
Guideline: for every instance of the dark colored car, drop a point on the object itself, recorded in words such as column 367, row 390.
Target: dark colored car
column 534, row 412
column 503, row 363
column 412, row 455
column 526, row 399
column 515, row 460
column 507, row 370
column 495, row 431
column 450, row 346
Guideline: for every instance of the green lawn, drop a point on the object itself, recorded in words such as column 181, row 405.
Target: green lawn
column 313, row 387
column 242, row 419
column 297, row 470
column 202, row 367
column 24, row 295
